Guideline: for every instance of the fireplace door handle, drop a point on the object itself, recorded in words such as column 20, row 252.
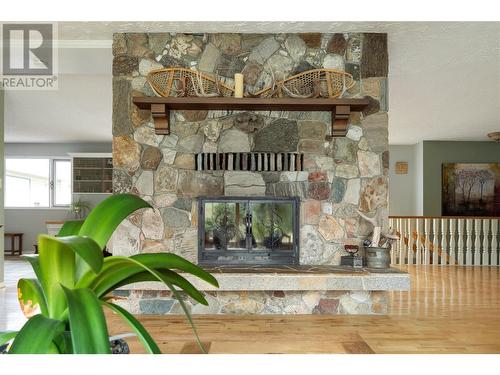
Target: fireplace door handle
column 249, row 224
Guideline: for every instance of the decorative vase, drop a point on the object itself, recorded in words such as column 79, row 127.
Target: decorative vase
column 378, row 257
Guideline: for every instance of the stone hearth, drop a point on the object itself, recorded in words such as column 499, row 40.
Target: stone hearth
column 276, row 290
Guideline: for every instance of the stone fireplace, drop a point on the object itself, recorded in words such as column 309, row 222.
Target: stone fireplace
column 280, row 155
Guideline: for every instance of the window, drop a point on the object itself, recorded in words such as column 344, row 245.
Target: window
column 62, row 182
column 40, row 182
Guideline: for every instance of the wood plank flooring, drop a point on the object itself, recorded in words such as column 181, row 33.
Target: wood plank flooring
column 448, row 310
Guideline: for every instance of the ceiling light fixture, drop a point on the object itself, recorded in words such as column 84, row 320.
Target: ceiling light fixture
column 495, row 136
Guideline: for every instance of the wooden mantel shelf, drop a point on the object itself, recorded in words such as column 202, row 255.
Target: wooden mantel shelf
column 340, row 108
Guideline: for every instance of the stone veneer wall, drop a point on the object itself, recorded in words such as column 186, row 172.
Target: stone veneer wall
column 341, row 175
column 329, row 302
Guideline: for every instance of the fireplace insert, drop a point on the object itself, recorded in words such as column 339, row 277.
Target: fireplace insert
column 248, row 230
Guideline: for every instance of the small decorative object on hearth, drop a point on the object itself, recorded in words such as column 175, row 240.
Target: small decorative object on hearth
column 353, row 259
column 379, row 246
column 238, row 85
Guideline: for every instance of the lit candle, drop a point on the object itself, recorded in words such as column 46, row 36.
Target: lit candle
column 238, row 85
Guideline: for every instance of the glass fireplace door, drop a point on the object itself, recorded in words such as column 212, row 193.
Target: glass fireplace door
column 272, row 226
column 248, row 230
column 225, row 226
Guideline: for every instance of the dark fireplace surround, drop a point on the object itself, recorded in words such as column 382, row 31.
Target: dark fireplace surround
column 248, row 230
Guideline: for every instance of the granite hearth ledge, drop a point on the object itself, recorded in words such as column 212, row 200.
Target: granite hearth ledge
column 324, row 278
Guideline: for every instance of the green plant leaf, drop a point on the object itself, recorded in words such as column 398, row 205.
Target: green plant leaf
column 89, row 254
column 7, row 336
column 63, row 343
column 35, row 264
column 115, row 270
column 57, row 266
column 89, row 333
column 70, row 228
column 138, row 328
column 168, row 275
column 107, row 215
column 177, row 295
column 188, row 316
column 31, row 297
column 175, row 262
column 37, row 336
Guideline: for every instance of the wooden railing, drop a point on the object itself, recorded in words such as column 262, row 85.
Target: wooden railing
column 438, row 240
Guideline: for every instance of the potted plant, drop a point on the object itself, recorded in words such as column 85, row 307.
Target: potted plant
column 80, row 208
column 65, row 302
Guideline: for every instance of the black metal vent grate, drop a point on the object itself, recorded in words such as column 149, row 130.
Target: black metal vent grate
column 250, row 161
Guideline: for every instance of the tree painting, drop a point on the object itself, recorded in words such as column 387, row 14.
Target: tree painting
column 471, row 189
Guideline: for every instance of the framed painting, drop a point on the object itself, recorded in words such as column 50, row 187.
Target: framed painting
column 471, row 189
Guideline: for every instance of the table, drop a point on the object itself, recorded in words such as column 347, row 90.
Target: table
column 13, row 237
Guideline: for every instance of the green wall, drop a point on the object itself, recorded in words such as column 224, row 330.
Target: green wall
column 435, row 153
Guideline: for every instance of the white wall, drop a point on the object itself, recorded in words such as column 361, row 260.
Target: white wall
column 79, row 111
column 404, row 188
column 31, row 222
column 419, row 179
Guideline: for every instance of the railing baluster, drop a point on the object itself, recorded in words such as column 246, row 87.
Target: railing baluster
column 452, row 254
column 444, row 233
column 494, row 242
column 486, row 238
column 477, row 242
column 427, row 242
column 435, row 241
column 418, row 242
column 468, row 243
column 409, row 248
column 402, row 251
column 460, row 253
column 395, row 245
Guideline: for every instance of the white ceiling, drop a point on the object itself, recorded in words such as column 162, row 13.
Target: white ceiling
column 444, row 79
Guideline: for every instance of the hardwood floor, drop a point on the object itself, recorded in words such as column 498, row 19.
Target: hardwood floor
column 449, row 310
